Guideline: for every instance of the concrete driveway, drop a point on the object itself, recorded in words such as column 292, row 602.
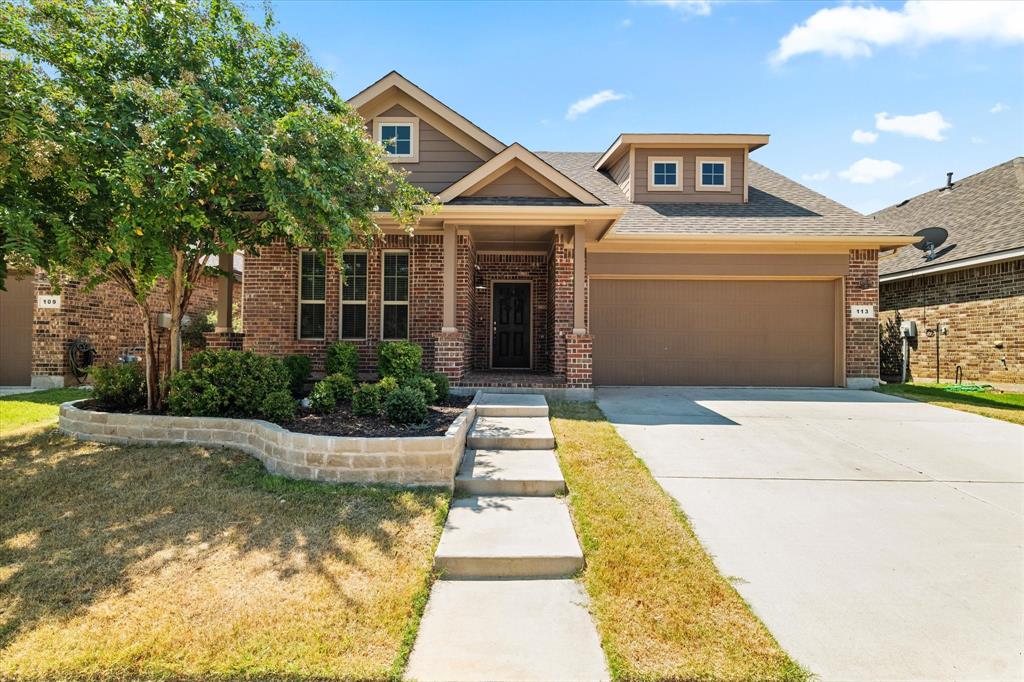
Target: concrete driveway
column 877, row 538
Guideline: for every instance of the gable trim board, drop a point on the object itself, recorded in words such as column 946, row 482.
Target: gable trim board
column 627, row 141
column 954, row 265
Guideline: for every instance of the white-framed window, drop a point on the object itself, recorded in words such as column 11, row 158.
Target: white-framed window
column 664, row 173
column 312, row 295
column 713, row 173
column 399, row 136
column 353, row 295
column 395, row 296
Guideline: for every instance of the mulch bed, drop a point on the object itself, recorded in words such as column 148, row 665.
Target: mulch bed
column 343, row 423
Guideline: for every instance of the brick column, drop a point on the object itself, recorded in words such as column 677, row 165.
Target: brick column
column 861, row 288
column 223, row 340
column 578, row 350
column 562, row 296
column 450, row 355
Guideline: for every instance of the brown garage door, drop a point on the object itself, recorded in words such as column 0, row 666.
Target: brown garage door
column 713, row 332
column 16, row 331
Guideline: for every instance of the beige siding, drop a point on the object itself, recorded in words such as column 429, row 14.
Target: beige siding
column 514, row 183
column 16, row 310
column 689, row 193
column 442, row 160
column 621, row 174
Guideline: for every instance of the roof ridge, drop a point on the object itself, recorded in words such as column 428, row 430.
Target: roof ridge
column 1016, row 162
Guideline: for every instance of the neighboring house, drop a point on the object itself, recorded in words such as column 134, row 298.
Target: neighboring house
column 667, row 259
column 38, row 326
column 973, row 286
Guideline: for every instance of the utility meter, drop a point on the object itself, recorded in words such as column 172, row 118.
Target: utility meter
column 909, row 329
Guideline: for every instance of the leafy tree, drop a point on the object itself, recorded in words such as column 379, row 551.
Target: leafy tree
column 137, row 139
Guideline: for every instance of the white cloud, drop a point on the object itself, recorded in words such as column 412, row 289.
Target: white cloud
column 977, row 140
column 626, row 23
column 999, row 108
column 701, row 8
column 929, row 125
column 863, row 136
column 580, row 107
column 816, row 177
column 867, row 171
column 850, row 31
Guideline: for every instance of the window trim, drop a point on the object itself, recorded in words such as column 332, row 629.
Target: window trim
column 699, row 176
column 365, row 302
column 677, row 160
column 384, row 304
column 414, row 123
column 301, row 301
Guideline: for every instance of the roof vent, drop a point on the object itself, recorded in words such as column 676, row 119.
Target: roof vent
column 903, row 203
column 949, row 181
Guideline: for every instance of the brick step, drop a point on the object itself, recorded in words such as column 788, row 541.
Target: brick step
column 511, row 405
column 510, row 472
column 510, row 433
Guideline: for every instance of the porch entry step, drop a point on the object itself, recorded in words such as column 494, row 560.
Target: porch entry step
column 510, row 472
column 510, row 433
column 497, row 536
column 511, row 405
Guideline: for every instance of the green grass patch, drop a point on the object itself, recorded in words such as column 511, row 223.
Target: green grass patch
column 662, row 609
column 27, row 410
column 996, row 404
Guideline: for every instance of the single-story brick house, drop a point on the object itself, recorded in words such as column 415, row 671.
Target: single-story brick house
column 973, row 286
column 666, row 259
column 38, row 325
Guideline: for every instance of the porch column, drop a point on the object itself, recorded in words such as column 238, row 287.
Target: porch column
column 579, row 344
column 225, row 291
column 450, row 245
column 579, row 299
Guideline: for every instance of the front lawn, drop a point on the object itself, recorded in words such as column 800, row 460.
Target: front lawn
column 998, row 405
column 662, row 609
column 185, row 562
column 23, row 411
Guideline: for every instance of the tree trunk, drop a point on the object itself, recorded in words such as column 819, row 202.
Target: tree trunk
column 153, row 398
column 176, row 301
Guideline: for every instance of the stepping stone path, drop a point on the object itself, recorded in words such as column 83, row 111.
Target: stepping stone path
column 506, row 606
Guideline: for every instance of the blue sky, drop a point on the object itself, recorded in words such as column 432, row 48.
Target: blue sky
column 932, row 87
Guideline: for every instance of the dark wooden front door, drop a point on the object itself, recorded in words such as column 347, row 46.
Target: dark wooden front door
column 510, row 334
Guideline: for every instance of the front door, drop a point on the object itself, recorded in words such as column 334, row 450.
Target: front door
column 510, row 334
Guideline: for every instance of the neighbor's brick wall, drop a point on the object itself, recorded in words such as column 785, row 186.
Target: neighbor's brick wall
column 106, row 317
column 271, row 300
column 982, row 307
column 518, row 267
column 861, row 288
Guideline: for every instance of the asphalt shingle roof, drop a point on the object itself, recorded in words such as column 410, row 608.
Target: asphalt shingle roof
column 984, row 214
column 776, row 205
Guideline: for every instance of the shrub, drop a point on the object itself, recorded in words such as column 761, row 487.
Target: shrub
column 343, row 358
column 226, row 383
column 890, row 348
column 425, row 386
column 278, row 406
column 366, row 400
column 321, row 398
column 121, row 385
column 405, row 405
column 440, row 385
column 386, row 385
column 341, row 386
column 298, row 367
column 399, row 359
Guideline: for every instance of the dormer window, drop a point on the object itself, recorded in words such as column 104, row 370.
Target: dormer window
column 663, row 173
column 713, row 174
column 399, row 137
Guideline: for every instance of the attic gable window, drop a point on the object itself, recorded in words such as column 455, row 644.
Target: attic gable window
column 663, row 173
column 399, row 137
column 713, row 174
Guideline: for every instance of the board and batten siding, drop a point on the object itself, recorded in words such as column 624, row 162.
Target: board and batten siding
column 442, row 160
column 689, row 193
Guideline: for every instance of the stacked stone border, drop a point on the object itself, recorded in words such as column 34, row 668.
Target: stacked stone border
column 411, row 461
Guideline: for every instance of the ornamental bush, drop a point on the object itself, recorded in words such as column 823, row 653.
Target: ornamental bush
column 440, row 385
column 386, row 385
column 399, row 359
column 298, row 367
column 405, row 405
column 341, row 386
column 425, row 386
column 366, row 400
column 343, row 358
column 121, row 384
column 321, row 398
column 278, row 406
column 226, row 383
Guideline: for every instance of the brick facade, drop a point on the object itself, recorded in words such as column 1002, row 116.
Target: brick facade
column 507, row 267
column 861, row 288
column 982, row 307
column 561, row 300
column 579, row 360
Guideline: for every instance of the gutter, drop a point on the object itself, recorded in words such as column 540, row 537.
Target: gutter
column 955, row 265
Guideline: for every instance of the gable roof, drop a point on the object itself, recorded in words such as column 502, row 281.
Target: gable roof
column 984, row 214
column 397, row 81
column 670, row 140
column 516, row 155
column 776, row 206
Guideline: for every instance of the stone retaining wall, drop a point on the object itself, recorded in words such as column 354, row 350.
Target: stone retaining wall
column 416, row 461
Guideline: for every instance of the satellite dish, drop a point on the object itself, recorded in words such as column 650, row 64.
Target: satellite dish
column 931, row 239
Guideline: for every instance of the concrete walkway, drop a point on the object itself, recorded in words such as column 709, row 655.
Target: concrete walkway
column 877, row 538
column 506, row 607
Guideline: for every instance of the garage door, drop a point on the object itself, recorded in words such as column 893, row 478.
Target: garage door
column 713, row 332
column 16, row 331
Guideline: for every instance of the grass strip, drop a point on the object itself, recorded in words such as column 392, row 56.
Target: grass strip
column 662, row 609
column 995, row 404
column 23, row 411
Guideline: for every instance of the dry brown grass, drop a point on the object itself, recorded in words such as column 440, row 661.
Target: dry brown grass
column 662, row 609
column 127, row 562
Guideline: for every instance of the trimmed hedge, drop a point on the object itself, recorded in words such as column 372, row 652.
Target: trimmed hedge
column 424, row 385
column 366, row 400
column 228, row 383
column 120, row 384
column 399, row 359
column 405, row 405
column 298, row 367
column 321, row 398
column 441, row 385
column 343, row 358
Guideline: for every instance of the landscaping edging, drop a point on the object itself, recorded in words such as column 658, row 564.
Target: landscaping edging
column 418, row 461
